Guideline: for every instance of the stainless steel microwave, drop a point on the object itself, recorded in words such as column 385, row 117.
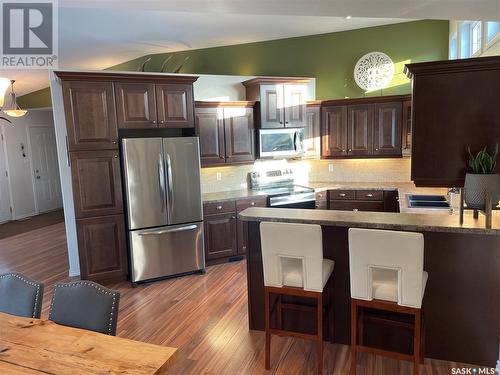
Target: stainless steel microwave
column 281, row 143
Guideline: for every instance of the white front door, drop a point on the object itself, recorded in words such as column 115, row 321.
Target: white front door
column 45, row 169
column 5, row 214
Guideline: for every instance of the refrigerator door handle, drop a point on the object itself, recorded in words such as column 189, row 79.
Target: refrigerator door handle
column 172, row 230
column 170, row 193
column 161, row 179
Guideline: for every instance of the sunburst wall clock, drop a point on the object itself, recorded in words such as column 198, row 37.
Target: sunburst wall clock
column 374, row 71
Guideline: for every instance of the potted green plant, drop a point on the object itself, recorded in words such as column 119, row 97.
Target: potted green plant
column 482, row 179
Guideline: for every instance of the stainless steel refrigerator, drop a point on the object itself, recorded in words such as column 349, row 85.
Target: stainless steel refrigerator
column 164, row 209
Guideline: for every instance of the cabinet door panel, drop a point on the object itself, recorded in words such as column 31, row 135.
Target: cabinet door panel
column 360, row 128
column 356, row 206
column 90, row 115
column 295, row 105
column 271, row 106
column 334, row 131
column 136, row 105
column 175, row 105
column 239, row 134
column 209, row 126
column 387, row 129
column 102, row 247
column 96, row 180
column 406, row 126
column 242, row 227
column 220, row 236
column 312, row 132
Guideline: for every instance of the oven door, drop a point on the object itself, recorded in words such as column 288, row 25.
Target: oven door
column 281, row 143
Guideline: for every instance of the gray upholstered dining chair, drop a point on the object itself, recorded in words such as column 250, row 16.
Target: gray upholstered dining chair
column 85, row 304
column 20, row 295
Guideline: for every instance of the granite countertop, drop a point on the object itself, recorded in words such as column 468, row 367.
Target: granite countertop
column 221, row 196
column 376, row 220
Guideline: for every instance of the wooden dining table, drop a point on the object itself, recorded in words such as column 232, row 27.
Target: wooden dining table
column 35, row 346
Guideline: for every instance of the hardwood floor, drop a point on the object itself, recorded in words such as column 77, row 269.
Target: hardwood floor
column 204, row 316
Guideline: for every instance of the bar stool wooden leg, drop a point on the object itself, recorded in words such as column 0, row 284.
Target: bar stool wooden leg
column 422, row 341
column 267, row 324
column 361, row 326
column 330, row 314
column 319, row 300
column 354, row 335
column 417, row 342
column 280, row 313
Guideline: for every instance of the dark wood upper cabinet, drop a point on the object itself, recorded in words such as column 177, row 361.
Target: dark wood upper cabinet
column 359, row 129
column 175, row 105
column 295, row 98
column 220, row 236
column 362, row 127
column 239, row 134
column 271, row 107
column 209, row 126
column 96, row 178
column 387, row 136
column 102, row 247
column 226, row 131
column 455, row 105
column 90, row 115
column 312, row 131
column 406, row 127
column 135, row 105
column 282, row 101
column 334, row 131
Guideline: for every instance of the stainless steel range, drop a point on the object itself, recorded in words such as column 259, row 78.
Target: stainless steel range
column 279, row 186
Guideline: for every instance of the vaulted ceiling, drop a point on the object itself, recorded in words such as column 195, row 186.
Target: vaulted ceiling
column 97, row 34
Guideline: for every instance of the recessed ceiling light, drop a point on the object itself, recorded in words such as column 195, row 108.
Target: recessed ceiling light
column 348, row 17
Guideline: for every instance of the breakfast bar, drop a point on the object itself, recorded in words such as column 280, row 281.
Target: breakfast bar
column 462, row 296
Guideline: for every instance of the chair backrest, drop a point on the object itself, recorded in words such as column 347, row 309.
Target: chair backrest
column 85, row 304
column 288, row 247
column 20, row 295
column 375, row 252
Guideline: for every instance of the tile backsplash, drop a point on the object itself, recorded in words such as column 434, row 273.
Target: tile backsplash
column 335, row 170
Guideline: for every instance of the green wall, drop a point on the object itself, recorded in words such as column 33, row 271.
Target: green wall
column 328, row 57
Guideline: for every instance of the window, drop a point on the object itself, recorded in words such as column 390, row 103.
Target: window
column 492, row 29
column 476, row 37
column 453, row 47
column 465, row 40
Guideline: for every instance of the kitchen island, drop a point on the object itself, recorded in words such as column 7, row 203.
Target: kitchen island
column 462, row 297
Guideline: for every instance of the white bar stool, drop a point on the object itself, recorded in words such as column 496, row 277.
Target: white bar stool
column 292, row 257
column 387, row 273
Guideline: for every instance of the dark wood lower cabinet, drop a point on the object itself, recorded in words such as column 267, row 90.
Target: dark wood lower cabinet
column 242, row 228
column 102, row 247
column 220, row 236
column 363, row 200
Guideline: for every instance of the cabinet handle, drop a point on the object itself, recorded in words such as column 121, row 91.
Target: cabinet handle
column 114, row 141
column 369, row 195
column 355, row 209
column 219, row 207
column 162, row 122
column 376, row 149
column 286, row 122
column 116, row 156
column 252, row 204
column 154, row 121
column 67, row 152
column 342, row 195
column 233, row 217
column 350, row 150
column 320, row 195
column 281, row 122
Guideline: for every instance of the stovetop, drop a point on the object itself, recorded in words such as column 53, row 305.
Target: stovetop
column 287, row 190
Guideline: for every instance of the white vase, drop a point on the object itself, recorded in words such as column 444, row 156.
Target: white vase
column 476, row 186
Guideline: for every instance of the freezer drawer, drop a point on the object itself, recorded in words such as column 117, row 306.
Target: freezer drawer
column 166, row 251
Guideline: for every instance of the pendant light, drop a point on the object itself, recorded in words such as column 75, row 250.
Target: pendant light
column 13, row 110
column 4, row 85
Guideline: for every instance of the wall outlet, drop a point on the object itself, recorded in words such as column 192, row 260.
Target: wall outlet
column 330, row 167
column 219, row 176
